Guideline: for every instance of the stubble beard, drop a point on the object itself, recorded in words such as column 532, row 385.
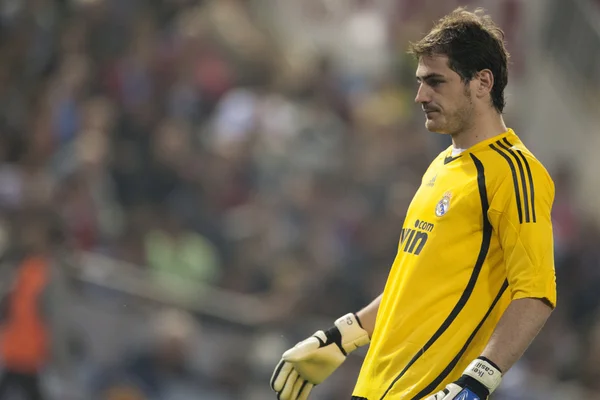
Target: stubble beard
column 459, row 120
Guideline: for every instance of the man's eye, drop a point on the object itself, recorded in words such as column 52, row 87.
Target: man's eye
column 434, row 83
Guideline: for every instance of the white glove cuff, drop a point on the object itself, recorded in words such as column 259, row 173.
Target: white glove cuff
column 484, row 372
column 353, row 336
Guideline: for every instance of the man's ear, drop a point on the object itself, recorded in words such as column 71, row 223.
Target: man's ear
column 485, row 83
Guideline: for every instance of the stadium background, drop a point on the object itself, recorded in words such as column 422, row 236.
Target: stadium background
column 218, row 179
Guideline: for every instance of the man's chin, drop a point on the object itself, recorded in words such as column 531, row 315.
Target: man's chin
column 434, row 127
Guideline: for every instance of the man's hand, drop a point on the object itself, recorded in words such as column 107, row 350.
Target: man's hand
column 478, row 381
column 312, row 360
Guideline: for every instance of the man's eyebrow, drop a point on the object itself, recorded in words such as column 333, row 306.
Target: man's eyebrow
column 429, row 76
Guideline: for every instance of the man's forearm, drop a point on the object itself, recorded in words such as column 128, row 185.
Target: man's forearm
column 517, row 328
column 368, row 314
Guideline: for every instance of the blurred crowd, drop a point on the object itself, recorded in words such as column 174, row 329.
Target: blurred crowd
column 191, row 139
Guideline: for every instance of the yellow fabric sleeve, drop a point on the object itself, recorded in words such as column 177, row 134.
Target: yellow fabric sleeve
column 520, row 214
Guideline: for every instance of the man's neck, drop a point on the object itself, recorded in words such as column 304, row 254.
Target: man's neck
column 483, row 128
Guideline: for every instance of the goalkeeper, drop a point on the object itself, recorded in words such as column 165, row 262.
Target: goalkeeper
column 473, row 280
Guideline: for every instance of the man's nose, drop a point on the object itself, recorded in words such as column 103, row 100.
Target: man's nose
column 423, row 95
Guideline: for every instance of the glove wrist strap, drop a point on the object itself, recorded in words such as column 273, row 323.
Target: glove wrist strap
column 352, row 334
column 485, row 372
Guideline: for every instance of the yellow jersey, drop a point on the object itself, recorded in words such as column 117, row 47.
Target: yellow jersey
column 477, row 235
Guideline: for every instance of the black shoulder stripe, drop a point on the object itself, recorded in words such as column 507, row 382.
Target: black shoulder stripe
column 522, row 175
column 446, row 371
column 529, row 179
column 531, row 185
column 483, row 250
column 515, row 180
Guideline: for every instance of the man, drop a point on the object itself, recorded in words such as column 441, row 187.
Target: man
column 473, row 281
column 23, row 333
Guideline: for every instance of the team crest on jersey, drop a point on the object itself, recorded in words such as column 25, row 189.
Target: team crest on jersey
column 443, row 205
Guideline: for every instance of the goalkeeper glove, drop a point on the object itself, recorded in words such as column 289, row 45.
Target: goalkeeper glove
column 478, row 381
column 312, row 360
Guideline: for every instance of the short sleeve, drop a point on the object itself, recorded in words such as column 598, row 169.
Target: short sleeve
column 520, row 214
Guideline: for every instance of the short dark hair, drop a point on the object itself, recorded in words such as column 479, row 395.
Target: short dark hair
column 472, row 42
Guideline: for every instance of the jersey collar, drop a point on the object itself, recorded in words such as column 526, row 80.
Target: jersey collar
column 448, row 155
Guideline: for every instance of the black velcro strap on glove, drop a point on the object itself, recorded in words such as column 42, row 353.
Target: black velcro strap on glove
column 474, row 386
column 347, row 334
column 333, row 335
